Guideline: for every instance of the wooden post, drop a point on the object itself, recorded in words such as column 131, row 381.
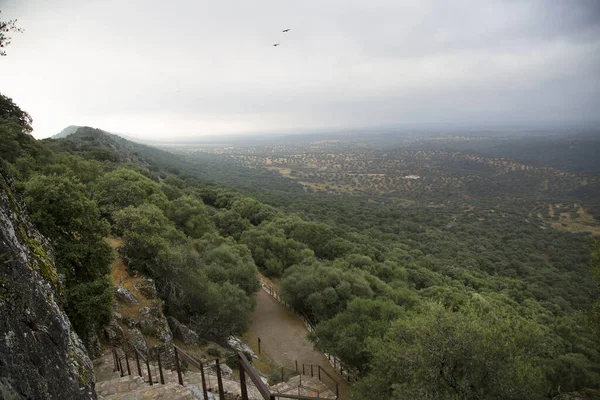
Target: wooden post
column 296, row 361
column 178, row 367
column 220, row 381
column 258, row 345
column 311, row 370
column 162, row 378
column 242, row 380
column 319, row 370
column 149, row 373
column 303, row 372
column 137, row 361
column 127, row 362
column 203, row 382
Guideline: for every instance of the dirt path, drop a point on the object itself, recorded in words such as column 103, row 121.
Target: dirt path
column 283, row 338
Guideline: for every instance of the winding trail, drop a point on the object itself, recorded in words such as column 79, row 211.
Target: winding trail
column 283, row 338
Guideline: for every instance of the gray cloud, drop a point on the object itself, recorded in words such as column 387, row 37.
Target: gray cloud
column 184, row 67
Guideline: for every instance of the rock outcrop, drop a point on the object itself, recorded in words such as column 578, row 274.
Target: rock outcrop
column 182, row 332
column 41, row 357
column 238, row 345
column 153, row 323
column 147, row 288
column 114, row 333
column 137, row 341
column 125, row 296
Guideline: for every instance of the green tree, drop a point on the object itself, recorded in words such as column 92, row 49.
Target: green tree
column 124, row 187
column 231, row 263
column 320, row 290
column 230, row 223
column 594, row 268
column 349, row 333
column 252, row 210
column 315, row 235
column 61, row 210
column 227, row 308
column 10, row 111
column 191, row 216
column 89, row 305
column 147, row 235
column 476, row 353
column 272, row 251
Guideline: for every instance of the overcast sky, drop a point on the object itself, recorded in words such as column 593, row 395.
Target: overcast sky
column 159, row 69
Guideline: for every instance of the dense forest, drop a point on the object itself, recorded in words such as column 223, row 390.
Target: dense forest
column 448, row 302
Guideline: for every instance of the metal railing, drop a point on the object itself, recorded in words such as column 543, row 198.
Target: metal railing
column 246, row 370
column 321, row 374
column 119, row 355
column 180, row 353
column 346, row 373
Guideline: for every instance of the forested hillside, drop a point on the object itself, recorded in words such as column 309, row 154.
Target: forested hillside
column 420, row 299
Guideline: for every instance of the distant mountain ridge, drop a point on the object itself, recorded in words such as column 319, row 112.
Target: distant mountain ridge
column 71, row 129
column 66, row 132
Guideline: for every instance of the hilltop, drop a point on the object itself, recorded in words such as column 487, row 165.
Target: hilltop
column 66, row 132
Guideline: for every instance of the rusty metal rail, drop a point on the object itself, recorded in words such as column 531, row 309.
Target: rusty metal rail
column 346, row 373
column 246, row 370
column 120, row 354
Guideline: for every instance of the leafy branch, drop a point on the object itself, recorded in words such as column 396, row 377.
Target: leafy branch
column 5, row 28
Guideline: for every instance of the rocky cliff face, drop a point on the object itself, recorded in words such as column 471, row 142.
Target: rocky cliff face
column 41, row 357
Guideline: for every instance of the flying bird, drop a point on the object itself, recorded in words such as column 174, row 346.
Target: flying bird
column 286, row 30
column 276, row 44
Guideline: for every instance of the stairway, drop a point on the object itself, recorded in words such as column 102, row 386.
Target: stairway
column 110, row 385
column 305, row 386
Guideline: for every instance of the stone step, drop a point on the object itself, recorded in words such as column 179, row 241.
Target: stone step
column 119, row 385
column 305, row 386
column 110, row 384
column 169, row 391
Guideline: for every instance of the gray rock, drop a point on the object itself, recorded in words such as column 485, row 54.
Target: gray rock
column 153, row 323
column 182, row 332
column 114, row 333
column 41, row 356
column 123, row 295
column 93, row 345
column 147, row 288
column 167, row 354
column 238, row 345
column 137, row 340
column 197, row 392
column 127, row 321
column 226, row 370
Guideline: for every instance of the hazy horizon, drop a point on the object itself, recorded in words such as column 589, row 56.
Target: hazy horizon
column 198, row 69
